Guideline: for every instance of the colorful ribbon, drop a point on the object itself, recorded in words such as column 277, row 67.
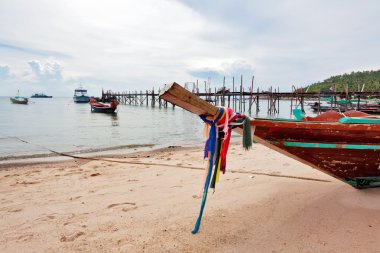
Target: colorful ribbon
column 216, row 148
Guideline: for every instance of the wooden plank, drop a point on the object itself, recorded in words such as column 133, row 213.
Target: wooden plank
column 176, row 94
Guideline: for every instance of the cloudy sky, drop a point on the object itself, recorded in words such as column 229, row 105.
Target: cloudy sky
column 53, row 46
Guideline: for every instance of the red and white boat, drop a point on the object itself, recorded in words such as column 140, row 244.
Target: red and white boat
column 103, row 108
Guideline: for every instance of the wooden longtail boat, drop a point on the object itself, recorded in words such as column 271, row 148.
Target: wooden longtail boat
column 103, row 108
column 347, row 148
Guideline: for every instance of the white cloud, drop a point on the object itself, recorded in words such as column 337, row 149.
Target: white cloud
column 137, row 44
column 4, row 72
column 297, row 42
column 49, row 71
column 226, row 70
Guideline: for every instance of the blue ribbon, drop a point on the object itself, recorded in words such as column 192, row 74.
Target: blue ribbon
column 211, row 142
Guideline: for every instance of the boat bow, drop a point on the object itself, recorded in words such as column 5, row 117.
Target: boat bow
column 348, row 149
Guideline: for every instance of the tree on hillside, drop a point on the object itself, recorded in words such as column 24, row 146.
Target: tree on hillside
column 353, row 81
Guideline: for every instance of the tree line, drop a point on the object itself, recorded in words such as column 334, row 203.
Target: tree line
column 355, row 81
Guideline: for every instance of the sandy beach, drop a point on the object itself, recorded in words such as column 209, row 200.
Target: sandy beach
column 147, row 202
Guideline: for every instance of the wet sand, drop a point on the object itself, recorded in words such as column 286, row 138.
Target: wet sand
column 145, row 202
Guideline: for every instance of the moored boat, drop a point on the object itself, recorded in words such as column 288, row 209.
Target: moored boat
column 103, row 108
column 80, row 96
column 40, row 95
column 366, row 106
column 345, row 147
column 19, row 99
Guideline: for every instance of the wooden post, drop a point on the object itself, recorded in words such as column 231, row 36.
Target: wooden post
column 257, row 101
column 215, row 98
column 251, row 96
column 269, row 97
column 243, row 101
column 233, row 96
column 223, row 101
column 152, row 102
column 241, row 94
column 278, row 100
column 347, row 98
column 291, row 102
column 302, row 101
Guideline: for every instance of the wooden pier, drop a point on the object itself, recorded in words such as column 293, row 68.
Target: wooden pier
column 240, row 98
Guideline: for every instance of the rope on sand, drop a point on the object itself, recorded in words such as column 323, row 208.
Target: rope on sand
column 188, row 167
column 197, row 168
column 175, row 166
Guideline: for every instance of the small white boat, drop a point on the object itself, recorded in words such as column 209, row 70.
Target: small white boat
column 80, row 96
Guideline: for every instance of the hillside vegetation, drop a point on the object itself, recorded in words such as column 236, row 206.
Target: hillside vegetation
column 354, row 81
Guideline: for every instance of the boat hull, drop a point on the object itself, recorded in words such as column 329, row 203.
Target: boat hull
column 102, row 109
column 349, row 152
column 362, row 163
column 23, row 101
column 372, row 109
column 81, row 99
column 34, row 96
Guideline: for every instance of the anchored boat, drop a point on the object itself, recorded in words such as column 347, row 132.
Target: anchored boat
column 103, row 108
column 80, row 96
column 19, row 99
column 40, row 95
column 345, row 146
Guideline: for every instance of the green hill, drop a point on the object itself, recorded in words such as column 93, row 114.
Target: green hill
column 354, row 81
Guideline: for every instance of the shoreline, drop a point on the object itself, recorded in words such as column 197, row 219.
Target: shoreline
column 146, row 202
column 57, row 157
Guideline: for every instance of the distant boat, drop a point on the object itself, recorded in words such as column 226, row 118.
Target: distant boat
column 103, row 108
column 40, row 95
column 367, row 108
column 80, row 96
column 18, row 99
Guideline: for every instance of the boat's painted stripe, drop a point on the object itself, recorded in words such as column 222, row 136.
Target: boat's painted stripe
column 357, row 120
column 361, row 146
column 327, row 145
column 309, row 145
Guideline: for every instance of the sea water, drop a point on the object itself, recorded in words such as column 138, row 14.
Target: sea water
column 58, row 124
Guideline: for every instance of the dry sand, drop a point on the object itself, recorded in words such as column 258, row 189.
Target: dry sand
column 103, row 206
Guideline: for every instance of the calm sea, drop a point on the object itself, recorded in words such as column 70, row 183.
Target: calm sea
column 61, row 125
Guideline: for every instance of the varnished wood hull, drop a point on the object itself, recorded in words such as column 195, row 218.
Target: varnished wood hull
column 349, row 152
column 346, row 164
